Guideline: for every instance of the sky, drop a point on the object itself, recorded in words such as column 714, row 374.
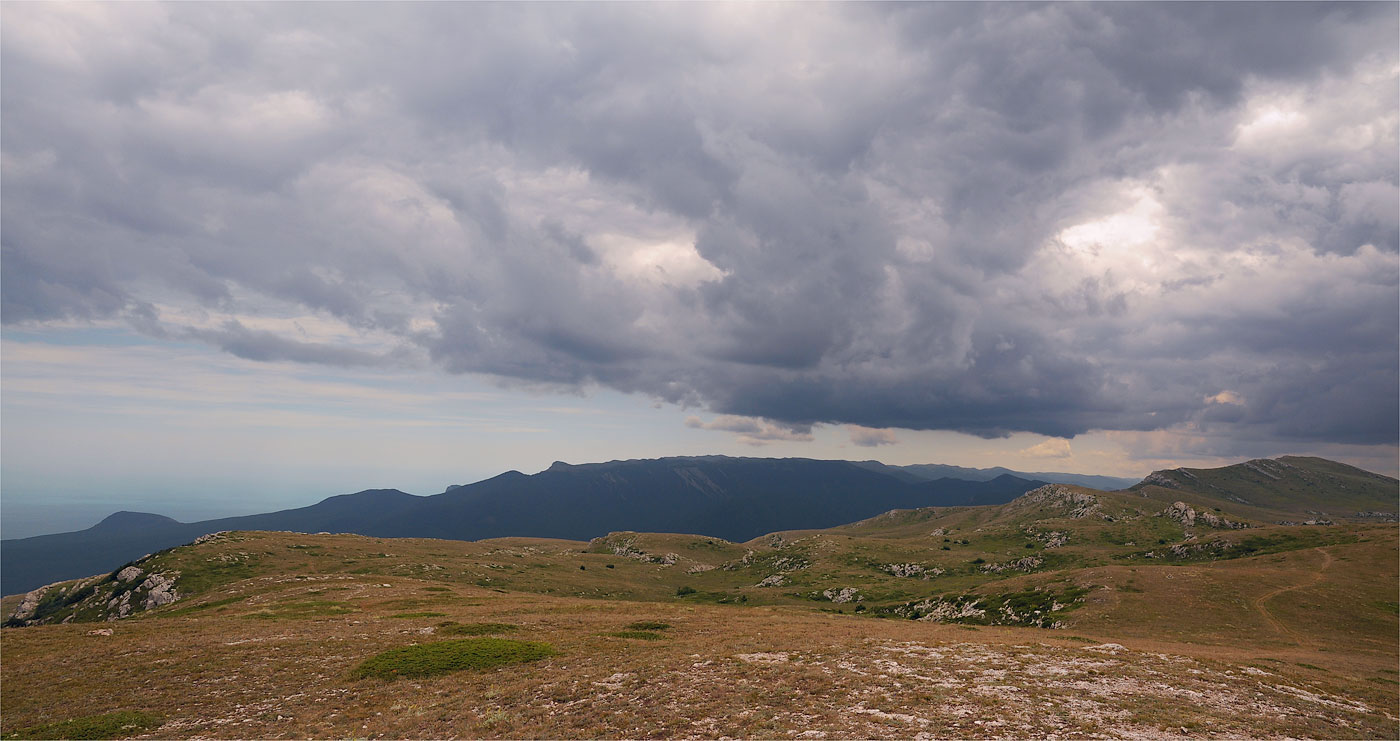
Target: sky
column 253, row 255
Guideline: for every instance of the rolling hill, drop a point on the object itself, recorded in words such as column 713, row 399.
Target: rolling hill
column 730, row 498
column 1065, row 611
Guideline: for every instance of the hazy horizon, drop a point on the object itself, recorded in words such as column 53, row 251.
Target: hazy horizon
column 253, row 255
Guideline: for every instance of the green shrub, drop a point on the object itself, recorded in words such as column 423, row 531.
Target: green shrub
column 443, row 657
column 120, row 724
column 450, row 628
column 644, row 635
column 684, row 590
column 303, row 610
column 205, row 606
column 648, row 625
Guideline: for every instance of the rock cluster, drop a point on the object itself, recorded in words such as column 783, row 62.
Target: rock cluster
column 842, row 595
column 1029, row 563
column 1077, row 503
column 910, row 570
column 1188, row 516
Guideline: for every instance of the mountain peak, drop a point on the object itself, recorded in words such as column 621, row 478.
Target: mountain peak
column 125, row 520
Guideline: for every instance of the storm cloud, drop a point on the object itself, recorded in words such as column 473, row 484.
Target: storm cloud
column 987, row 218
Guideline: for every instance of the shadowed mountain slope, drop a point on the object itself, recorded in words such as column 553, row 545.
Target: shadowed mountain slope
column 934, row 471
column 1294, row 487
column 730, row 498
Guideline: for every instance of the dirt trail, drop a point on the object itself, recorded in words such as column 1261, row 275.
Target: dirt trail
column 1259, row 601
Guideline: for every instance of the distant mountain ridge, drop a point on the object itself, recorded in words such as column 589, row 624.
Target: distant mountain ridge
column 1289, row 486
column 935, row 471
column 731, row 498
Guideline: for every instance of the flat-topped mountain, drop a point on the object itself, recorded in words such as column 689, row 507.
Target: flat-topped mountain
column 730, row 498
column 718, row 496
column 934, row 471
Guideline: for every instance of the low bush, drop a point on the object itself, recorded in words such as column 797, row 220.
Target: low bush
column 120, row 724
column 644, row 635
column 473, row 629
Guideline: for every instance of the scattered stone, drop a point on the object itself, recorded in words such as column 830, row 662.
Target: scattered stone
column 208, row 537
column 908, row 570
column 842, row 595
column 100, row 632
column 779, row 657
column 1027, row 564
column 776, row 580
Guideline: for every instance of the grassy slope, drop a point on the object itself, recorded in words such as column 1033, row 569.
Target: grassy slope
column 1292, row 487
column 1298, row 642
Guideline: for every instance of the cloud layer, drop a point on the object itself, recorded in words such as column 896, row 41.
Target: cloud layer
column 987, row 218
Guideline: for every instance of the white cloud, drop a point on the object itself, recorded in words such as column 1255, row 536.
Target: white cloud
column 1053, row 448
column 867, row 437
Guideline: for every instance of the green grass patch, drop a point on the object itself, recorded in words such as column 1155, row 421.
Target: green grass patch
column 443, row 657
column 1311, row 666
column 303, row 610
column 1391, row 607
column 450, row 628
column 437, row 589
column 202, row 577
column 648, row 625
column 120, row 724
column 204, row 606
column 643, row 635
column 418, row 615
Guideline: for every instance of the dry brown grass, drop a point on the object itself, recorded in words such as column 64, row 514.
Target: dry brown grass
column 1197, row 654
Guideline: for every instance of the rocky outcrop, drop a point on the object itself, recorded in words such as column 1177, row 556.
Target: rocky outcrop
column 1189, row 517
column 940, row 611
column 1076, row 504
column 1027, row 564
column 1051, row 539
column 99, row 598
column 1163, row 479
column 624, row 544
column 842, row 595
column 910, row 570
column 160, row 590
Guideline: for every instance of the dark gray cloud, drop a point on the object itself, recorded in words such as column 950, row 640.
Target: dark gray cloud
column 262, row 345
column 987, row 218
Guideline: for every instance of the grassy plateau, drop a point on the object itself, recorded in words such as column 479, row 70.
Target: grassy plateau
column 1066, row 613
